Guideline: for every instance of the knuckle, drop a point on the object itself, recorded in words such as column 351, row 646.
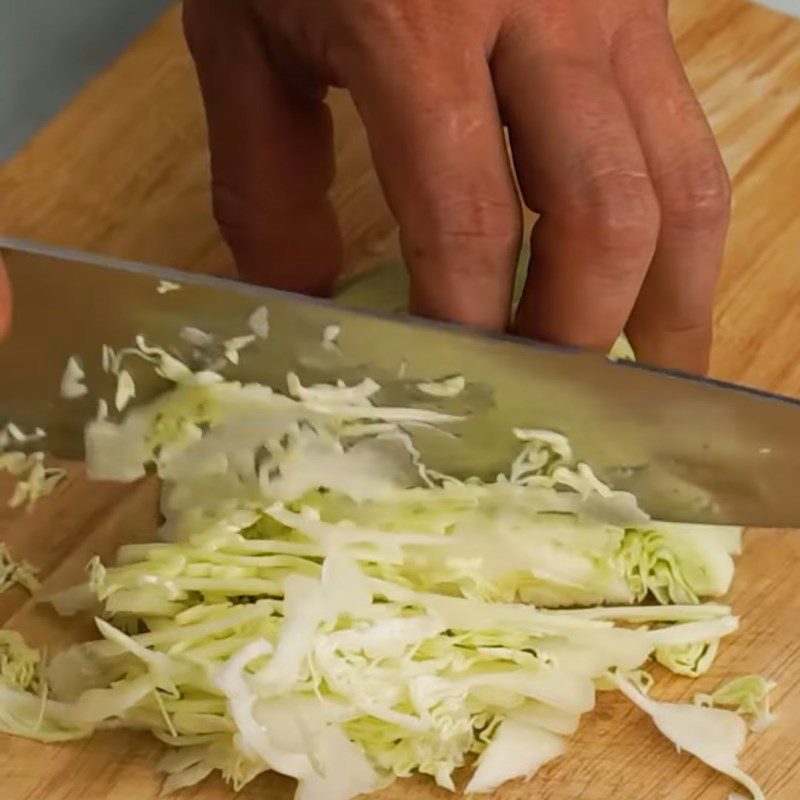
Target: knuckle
column 679, row 341
column 683, row 324
column 472, row 223
column 618, row 209
column 386, row 31
column 365, row 18
column 697, row 194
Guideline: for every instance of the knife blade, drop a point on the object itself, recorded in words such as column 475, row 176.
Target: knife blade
column 691, row 449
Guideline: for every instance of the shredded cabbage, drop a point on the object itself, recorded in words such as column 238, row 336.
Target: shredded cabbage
column 165, row 287
column 196, row 337
column 126, row 390
column 747, row 695
column 34, row 479
column 449, row 387
column 259, row 322
column 234, row 345
column 72, row 385
column 330, row 336
column 713, row 735
column 12, row 433
column 16, row 573
column 323, row 605
column 517, row 750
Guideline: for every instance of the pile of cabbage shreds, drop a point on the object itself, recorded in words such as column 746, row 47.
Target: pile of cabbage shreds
column 322, row 605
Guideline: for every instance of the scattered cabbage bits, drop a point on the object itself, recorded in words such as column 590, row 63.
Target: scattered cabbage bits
column 330, row 336
column 259, row 322
column 15, row 573
column 449, row 387
column 165, row 287
column 34, row 479
column 72, row 381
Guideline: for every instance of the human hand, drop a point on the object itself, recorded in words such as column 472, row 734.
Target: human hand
column 609, row 146
column 5, row 301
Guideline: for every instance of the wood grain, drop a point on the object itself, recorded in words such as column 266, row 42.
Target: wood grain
column 123, row 170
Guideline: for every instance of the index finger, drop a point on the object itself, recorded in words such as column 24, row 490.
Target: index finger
column 271, row 145
column 437, row 143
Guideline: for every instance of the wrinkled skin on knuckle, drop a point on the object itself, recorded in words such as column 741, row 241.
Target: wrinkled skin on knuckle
column 354, row 33
column 617, row 209
column 696, row 195
column 468, row 224
column 359, row 28
column 420, row 20
column 691, row 327
column 678, row 339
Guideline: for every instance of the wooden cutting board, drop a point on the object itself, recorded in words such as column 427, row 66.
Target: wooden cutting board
column 123, row 170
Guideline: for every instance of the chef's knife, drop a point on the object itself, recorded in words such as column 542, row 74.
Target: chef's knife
column 691, row 449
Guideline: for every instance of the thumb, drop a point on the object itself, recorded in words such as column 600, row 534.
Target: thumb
column 5, row 301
